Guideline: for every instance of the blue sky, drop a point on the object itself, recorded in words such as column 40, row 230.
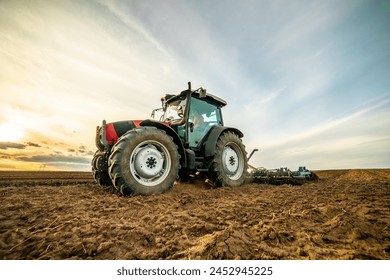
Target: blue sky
column 306, row 81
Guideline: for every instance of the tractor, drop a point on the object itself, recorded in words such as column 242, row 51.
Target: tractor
column 143, row 157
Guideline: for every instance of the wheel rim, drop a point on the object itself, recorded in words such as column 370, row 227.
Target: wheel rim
column 150, row 163
column 232, row 161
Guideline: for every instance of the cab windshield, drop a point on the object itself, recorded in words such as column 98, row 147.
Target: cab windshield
column 174, row 111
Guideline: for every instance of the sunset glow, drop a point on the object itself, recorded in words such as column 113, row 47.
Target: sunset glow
column 306, row 82
column 10, row 133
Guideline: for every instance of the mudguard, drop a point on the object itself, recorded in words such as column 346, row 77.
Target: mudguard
column 211, row 140
column 168, row 130
column 115, row 130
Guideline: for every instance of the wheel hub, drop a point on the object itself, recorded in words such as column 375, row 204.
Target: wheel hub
column 230, row 161
column 151, row 162
column 148, row 162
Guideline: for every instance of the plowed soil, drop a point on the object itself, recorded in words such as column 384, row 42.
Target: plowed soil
column 66, row 215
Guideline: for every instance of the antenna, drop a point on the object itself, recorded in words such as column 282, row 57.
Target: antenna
column 189, row 86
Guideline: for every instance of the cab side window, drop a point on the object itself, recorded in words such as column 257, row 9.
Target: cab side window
column 202, row 117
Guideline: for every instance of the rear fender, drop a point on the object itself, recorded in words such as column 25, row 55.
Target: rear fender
column 168, row 130
column 211, row 140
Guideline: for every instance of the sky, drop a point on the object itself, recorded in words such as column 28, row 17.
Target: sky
column 307, row 82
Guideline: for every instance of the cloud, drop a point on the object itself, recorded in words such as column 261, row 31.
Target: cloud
column 54, row 158
column 11, row 145
column 348, row 124
column 349, row 141
column 5, row 156
column 31, row 144
column 81, row 150
column 122, row 12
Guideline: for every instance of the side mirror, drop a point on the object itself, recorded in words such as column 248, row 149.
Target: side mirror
column 202, row 93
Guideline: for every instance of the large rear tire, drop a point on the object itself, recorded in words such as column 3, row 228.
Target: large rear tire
column 229, row 166
column 144, row 161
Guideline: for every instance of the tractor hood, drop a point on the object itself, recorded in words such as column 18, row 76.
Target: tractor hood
column 108, row 133
column 115, row 130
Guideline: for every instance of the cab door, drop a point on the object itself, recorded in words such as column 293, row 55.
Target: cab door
column 202, row 117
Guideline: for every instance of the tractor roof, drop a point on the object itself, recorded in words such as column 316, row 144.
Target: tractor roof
column 209, row 97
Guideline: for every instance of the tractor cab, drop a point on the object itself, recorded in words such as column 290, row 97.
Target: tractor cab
column 192, row 114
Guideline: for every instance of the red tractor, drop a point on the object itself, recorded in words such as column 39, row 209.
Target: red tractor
column 147, row 156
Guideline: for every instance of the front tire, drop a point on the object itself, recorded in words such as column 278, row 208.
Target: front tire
column 229, row 166
column 144, row 161
column 100, row 170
